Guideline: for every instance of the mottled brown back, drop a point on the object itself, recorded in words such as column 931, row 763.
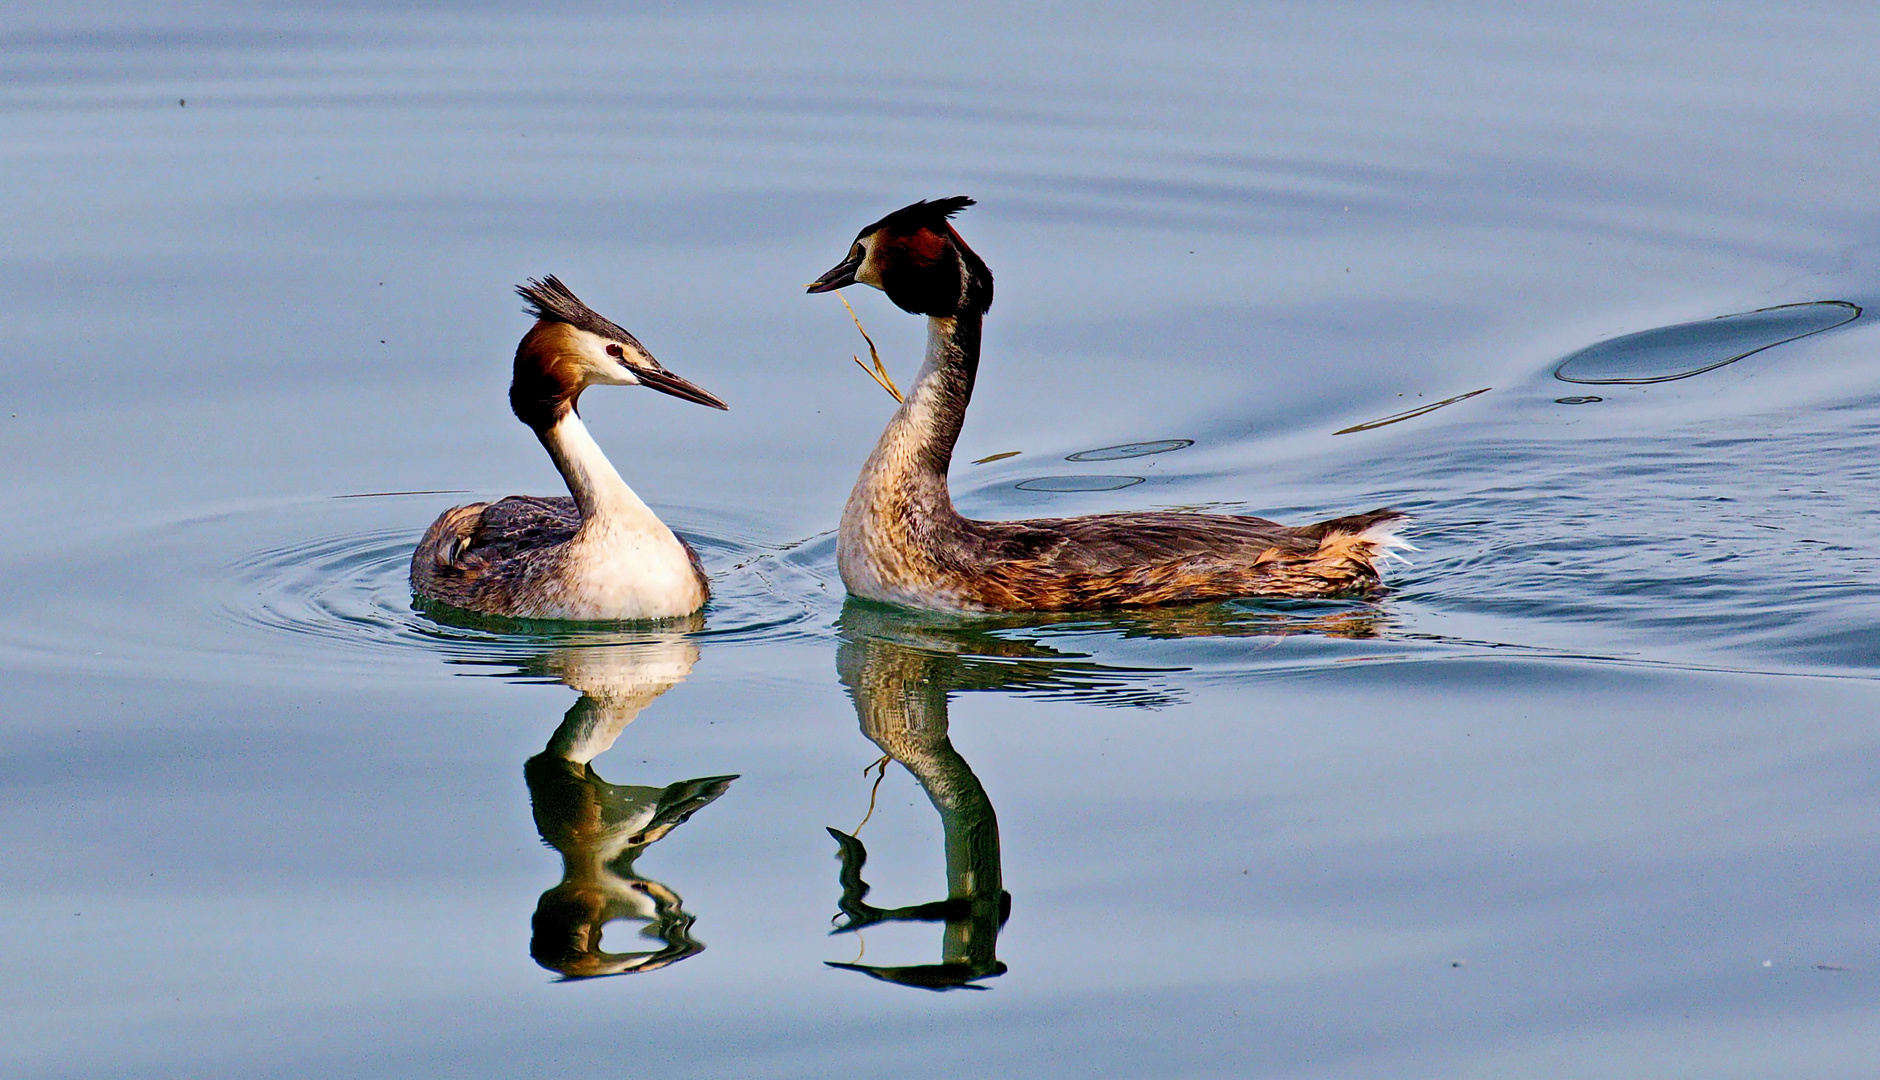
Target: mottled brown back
column 477, row 557
column 1157, row 557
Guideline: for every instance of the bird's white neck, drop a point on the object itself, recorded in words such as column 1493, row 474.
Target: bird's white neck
column 604, row 498
column 623, row 562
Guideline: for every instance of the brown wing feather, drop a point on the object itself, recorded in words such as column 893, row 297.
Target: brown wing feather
column 522, row 523
column 472, row 557
column 1103, row 543
column 1130, row 559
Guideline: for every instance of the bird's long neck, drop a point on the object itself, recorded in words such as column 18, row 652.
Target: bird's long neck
column 913, row 454
column 604, row 498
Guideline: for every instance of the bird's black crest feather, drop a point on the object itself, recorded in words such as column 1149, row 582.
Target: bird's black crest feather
column 551, row 300
column 923, row 214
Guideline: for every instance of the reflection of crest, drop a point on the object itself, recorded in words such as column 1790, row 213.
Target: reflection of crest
column 600, row 828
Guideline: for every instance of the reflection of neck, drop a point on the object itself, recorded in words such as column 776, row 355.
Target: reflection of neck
column 911, row 458
column 903, row 709
column 604, row 498
column 595, row 721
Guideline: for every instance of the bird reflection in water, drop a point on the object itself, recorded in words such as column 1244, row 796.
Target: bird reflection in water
column 900, row 668
column 600, row 828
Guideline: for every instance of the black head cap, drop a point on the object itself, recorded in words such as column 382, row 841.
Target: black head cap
column 910, row 219
column 926, row 268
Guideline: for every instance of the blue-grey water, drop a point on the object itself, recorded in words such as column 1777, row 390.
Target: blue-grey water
column 1592, row 790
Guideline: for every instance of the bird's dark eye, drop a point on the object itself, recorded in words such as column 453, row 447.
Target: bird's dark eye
column 616, row 351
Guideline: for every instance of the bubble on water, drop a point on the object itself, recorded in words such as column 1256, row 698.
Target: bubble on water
column 1077, row 483
column 1131, row 450
column 1687, row 349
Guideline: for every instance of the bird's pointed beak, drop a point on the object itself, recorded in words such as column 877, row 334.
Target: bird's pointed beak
column 843, row 274
column 667, row 383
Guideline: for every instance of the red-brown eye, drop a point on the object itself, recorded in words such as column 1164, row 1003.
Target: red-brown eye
column 616, row 352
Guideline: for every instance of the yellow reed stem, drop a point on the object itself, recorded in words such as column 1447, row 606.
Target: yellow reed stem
column 879, row 372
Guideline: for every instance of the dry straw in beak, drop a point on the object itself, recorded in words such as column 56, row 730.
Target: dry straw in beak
column 879, row 372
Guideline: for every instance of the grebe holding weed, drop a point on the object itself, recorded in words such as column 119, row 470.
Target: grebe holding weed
column 902, row 542
column 601, row 555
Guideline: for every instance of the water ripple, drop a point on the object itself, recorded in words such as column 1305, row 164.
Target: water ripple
column 337, row 596
column 1727, row 539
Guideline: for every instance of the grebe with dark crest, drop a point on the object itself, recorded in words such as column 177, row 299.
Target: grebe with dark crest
column 601, row 555
column 902, row 542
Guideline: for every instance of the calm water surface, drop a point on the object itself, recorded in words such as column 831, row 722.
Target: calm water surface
column 1592, row 790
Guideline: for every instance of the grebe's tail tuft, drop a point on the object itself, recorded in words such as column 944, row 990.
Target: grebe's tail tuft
column 1370, row 539
column 1386, row 540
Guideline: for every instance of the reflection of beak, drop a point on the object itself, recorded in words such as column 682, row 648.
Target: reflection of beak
column 843, row 274
column 667, row 383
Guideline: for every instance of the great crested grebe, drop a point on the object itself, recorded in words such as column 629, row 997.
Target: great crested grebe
column 902, row 542
column 602, row 554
